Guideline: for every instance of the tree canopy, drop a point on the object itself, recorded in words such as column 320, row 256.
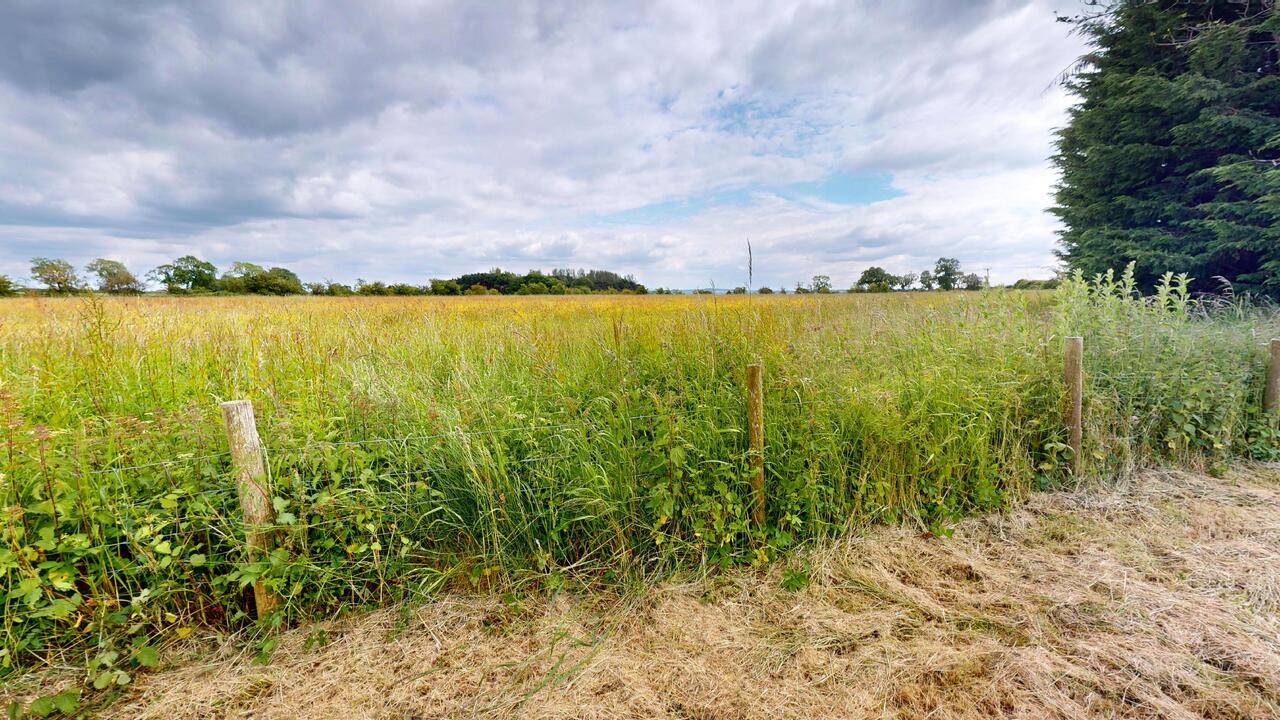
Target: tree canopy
column 113, row 276
column 59, row 276
column 1171, row 159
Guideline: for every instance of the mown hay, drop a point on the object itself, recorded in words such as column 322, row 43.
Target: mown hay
column 1154, row 600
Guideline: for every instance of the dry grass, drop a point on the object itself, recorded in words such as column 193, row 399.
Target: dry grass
column 1158, row 599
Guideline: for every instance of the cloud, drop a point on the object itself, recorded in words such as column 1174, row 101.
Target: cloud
column 405, row 140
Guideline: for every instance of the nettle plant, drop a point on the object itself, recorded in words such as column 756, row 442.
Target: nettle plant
column 1171, row 374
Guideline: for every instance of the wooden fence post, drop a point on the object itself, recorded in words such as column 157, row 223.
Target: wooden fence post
column 1271, row 399
column 755, row 437
column 1074, row 372
column 254, row 488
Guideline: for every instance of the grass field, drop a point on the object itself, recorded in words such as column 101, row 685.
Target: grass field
column 524, row 443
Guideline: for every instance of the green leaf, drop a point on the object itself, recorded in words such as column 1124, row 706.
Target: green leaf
column 41, row 706
column 68, row 700
column 146, row 656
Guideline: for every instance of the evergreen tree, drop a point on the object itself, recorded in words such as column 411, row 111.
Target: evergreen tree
column 1171, row 159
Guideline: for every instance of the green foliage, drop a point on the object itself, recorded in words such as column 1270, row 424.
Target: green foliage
column 1025, row 284
column 875, row 279
column 113, row 277
column 1170, row 375
column 187, row 274
column 469, row 444
column 445, row 287
column 820, row 284
column 8, row 288
column 1172, row 157
column 926, row 280
column 946, row 273
column 559, row 282
column 56, row 275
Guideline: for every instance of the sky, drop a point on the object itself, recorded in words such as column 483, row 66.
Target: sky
column 401, row 141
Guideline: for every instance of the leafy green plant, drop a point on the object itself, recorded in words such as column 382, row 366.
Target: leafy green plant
column 541, row 442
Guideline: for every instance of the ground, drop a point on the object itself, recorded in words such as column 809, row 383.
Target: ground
column 1156, row 598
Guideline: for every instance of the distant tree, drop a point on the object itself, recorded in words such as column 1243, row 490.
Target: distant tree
column 971, row 281
column 405, row 289
column 56, row 275
column 187, row 274
column 533, row 288
column 8, row 288
column 802, row 289
column 477, row 289
column 946, row 272
column 875, row 279
column 765, row 291
column 906, row 280
column 113, row 276
column 276, row 281
column 740, row 290
column 820, row 284
column 236, row 279
column 445, row 287
column 243, row 269
column 375, row 288
column 926, row 280
column 1036, row 284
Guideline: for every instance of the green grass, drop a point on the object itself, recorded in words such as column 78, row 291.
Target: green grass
column 419, row 444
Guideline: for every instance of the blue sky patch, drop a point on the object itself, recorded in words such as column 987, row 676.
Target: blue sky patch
column 836, row 189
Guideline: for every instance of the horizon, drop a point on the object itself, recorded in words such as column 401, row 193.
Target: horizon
column 436, row 141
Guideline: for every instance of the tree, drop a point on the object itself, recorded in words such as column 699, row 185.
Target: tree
column 906, row 280
column 740, row 290
column 8, row 288
column 875, row 279
column 187, row 274
column 113, row 276
column 926, row 279
column 764, row 291
column 946, row 272
column 276, row 281
column 445, row 287
column 1171, row 158
column 820, row 284
column 376, row 288
column 56, row 275
column 971, row 281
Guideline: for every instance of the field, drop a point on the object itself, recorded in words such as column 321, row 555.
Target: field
column 421, row 445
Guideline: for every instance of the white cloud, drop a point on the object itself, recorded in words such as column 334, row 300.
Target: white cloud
column 399, row 141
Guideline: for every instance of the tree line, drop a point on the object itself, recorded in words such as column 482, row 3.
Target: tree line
column 190, row 275
column 945, row 275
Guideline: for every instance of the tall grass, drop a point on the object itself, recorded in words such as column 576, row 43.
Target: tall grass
column 416, row 444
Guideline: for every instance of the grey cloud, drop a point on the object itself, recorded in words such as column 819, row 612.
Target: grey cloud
column 339, row 136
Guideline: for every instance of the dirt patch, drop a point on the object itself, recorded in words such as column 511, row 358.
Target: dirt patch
column 1154, row 600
